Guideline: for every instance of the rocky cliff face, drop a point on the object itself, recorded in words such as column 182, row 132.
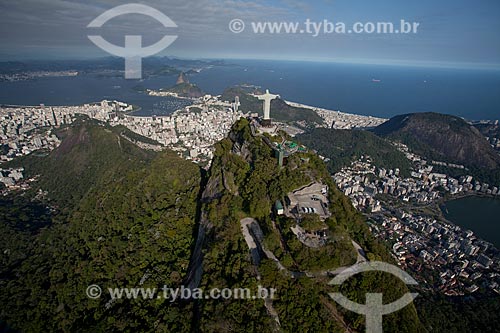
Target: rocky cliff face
column 182, row 79
column 443, row 136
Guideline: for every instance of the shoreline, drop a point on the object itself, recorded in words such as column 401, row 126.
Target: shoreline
column 440, row 203
column 453, row 197
column 317, row 108
column 436, row 208
column 125, row 113
column 129, row 113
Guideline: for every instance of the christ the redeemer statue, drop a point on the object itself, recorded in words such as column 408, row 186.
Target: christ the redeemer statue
column 267, row 98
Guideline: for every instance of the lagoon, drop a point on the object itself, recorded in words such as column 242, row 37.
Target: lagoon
column 479, row 214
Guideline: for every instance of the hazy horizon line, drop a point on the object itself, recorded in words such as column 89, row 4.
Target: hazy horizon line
column 376, row 62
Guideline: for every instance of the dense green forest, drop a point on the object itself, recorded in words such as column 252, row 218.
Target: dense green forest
column 463, row 314
column 118, row 215
column 255, row 183
column 448, row 139
column 103, row 211
column 346, row 146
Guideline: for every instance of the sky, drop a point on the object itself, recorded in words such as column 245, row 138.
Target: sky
column 451, row 32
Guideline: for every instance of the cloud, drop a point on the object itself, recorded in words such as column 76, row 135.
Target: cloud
column 41, row 26
column 53, row 23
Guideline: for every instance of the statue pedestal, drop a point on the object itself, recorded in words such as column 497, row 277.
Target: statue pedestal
column 266, row 123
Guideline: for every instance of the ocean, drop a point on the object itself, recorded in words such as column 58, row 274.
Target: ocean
column 382, row 91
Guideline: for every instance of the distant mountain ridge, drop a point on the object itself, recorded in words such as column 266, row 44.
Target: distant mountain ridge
column 442, row 137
